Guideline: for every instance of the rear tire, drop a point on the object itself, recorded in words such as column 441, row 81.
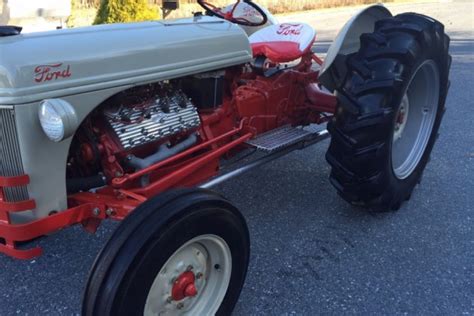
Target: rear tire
column 178, row 239
column 376, row 162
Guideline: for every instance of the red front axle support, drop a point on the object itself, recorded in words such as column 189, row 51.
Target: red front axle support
column 11, row 234
column 91, row 208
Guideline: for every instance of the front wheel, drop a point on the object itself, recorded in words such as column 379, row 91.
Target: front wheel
column 391, row 102
column 185, row 252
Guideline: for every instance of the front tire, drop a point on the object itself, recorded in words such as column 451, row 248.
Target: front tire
column 184, row 252
column 391, row 103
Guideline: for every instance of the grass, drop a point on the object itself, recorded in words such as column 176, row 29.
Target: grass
column 82, row 16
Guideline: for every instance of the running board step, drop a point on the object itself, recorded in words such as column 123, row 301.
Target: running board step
column 283, row 137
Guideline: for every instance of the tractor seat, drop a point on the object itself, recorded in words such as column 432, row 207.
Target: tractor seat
column 283, row 43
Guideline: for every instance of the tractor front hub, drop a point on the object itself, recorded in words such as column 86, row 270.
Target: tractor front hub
column 193, row 278
column 184, row 286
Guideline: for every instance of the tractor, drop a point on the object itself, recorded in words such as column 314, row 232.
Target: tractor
column 135, row 123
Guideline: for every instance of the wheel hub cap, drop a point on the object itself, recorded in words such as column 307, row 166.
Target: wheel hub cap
column 184, row 286
column 193, row 281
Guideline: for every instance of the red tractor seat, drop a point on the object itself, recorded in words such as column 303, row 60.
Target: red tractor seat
column 282, row 43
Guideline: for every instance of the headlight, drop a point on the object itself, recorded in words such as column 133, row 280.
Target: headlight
column 58, row 119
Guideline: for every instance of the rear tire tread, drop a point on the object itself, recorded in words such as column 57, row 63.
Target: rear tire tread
column 361, row 129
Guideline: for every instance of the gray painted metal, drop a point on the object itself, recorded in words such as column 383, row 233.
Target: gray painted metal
column 348, row 39
column 105, row 56
column 422, row 99
column 44, row 160
column 102, row 61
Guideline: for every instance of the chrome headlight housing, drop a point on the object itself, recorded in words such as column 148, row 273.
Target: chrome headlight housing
column 58, row 119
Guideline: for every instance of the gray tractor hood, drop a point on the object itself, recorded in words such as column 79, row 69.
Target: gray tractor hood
column 36, row 66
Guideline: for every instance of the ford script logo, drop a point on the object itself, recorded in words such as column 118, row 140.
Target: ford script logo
column 290, row 29
column 45, row 73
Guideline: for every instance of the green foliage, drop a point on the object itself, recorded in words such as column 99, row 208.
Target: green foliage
column 76, row 4
column 119, row 11
column 71, row 20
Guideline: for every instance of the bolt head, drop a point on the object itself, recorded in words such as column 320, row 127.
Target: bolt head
column 96, row 211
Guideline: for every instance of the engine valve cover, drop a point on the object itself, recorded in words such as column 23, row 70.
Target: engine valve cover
column 145, row 123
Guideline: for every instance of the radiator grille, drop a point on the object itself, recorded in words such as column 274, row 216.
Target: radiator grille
column 10, row 157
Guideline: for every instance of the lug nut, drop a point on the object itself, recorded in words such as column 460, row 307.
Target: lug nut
column 96, row 211
column 180, row 306
column 199, row 275
column 189, row 268
column 169, row 300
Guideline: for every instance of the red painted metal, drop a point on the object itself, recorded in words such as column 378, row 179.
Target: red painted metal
column 138, row 197
column 321, row 100
column 184, row 286
column 8, row 245
column 14, row 181
column 55, row 222
column 117, row 203
column 11, row 233
column 120, row 182
column 172, row 179
column 317, row 60
column 17, row 206
column 11, row 250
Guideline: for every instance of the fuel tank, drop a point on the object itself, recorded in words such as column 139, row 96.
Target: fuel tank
column 50, row 64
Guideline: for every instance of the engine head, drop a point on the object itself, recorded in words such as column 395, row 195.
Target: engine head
column 148, row 121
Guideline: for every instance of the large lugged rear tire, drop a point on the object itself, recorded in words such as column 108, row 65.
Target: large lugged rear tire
column 391, row 102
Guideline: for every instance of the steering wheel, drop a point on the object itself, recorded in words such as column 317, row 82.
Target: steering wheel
column 229, row 16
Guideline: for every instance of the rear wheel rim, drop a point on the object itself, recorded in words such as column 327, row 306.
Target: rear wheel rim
column 415, row 120
column 209, row 258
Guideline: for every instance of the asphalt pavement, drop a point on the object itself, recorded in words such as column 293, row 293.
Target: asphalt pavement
column 312, row 253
